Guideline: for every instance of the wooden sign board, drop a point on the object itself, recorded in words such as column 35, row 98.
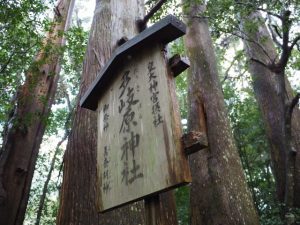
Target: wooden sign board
column 139, row 132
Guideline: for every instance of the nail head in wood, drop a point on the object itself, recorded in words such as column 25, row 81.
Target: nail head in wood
column 194, row 141
column 178, row 64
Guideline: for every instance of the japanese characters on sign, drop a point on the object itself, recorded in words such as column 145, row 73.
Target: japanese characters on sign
column 138, row 154
column 106, row 173
column 127, row 103
column 156, row 112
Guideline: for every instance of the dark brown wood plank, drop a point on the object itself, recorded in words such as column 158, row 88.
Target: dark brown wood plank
column 194, row 141
column 178, row 64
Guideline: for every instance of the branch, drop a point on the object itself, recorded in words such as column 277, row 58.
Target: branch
column 156, row 7
column 288, row 116
column 56, row 10
column 227, row 71
column 286, row 25
column 295, row 42
column 241, row 74
column 298, row 47
column 294, row 102
column 277, row 31
column 260, row 9
column 260, row 62
column 274, row 35
column 3, row 68
column 143, row 22
column 269, row 13
column 236, row 57
column 46, row 184
column 286, row 50
column 196, row 17
column 254, row 42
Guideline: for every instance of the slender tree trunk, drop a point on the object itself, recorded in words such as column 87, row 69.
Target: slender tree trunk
column 22, row 141
column 113, row 19
column 272, row 98
column 45, row 187
column 219, row 193
column 53, row 161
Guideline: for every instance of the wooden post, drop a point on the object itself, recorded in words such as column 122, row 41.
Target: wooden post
column 152, row 210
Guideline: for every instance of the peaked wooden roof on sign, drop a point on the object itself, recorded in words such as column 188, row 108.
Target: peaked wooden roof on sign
column 164, row 31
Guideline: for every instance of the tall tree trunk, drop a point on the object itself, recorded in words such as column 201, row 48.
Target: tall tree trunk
column 22, row 141
column 219, row 193
column 267, row 90
column 113, row 19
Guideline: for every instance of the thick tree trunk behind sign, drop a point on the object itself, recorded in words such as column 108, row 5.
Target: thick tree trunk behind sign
column 219, row 193
column 113, row 19
column 27, row 126
column 266, row 89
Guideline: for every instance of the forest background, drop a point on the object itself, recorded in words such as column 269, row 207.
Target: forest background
column 25, row 24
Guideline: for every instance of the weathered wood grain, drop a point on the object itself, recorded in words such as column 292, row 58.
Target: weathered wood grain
column 139, row 127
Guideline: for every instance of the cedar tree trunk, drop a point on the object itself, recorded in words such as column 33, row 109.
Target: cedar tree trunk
column 113, row 19
column 219, row 193
column 27, row 126
column 271, row 97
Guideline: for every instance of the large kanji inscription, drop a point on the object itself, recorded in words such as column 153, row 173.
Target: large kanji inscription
column 139, row 150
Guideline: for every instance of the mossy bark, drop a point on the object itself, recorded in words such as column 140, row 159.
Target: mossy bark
column 219, row 193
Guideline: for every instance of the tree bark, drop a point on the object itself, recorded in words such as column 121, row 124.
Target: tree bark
column 27, row 126
column 271, row 100
column 219, row 193
column 113, row 19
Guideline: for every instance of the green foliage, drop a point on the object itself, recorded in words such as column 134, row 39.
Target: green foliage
column 73, row 60
column 182, row 201
column 56, row 120
column 69, row 80
column 170, row 7
column 51, row 202
column 177, row 47
column 181, row 87
column 76, row 45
